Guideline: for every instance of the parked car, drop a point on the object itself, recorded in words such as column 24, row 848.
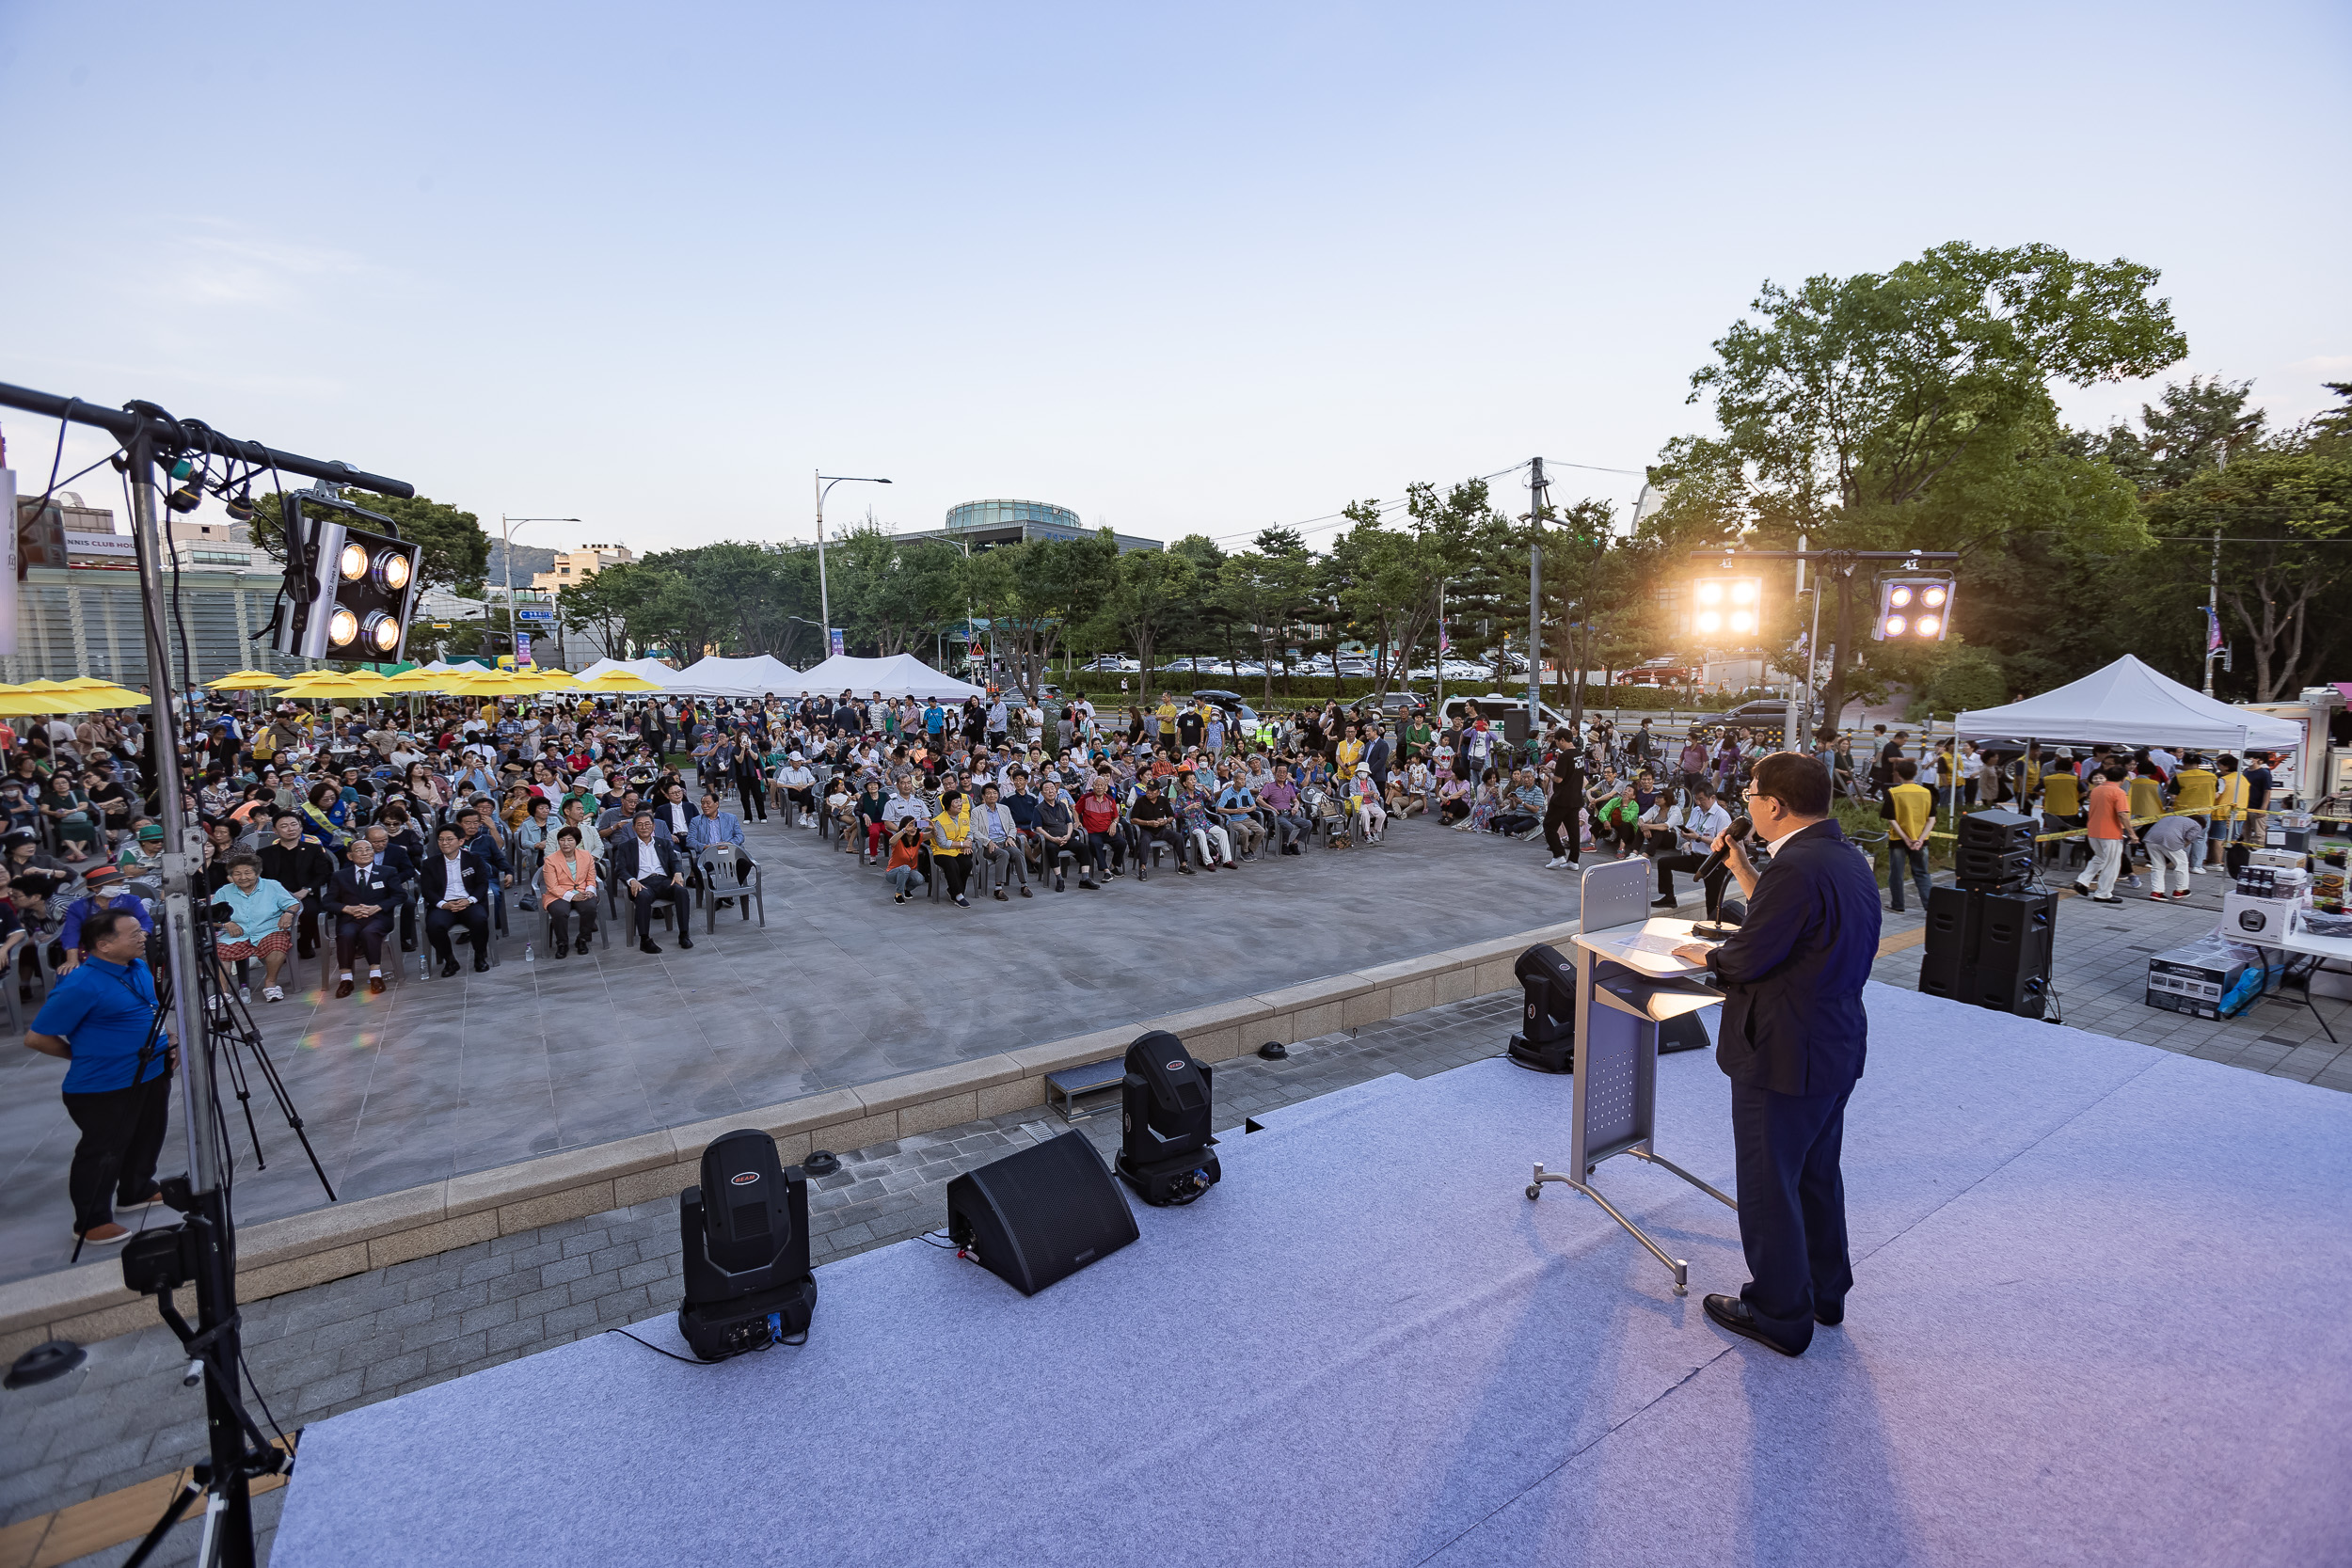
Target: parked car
column 1388, row 706
column 1111, row 664
column 1498, row 705
column 1244, row 717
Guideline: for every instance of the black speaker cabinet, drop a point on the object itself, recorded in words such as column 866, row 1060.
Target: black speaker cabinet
column 1036, row 1216
column 2015, row 935
column 1992, row 867
column 1951, row 949
column 2000, row 831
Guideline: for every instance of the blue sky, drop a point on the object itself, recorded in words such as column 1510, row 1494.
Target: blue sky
column 1184, row 269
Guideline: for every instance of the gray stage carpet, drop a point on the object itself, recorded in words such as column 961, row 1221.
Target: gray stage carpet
column 2098, row 1318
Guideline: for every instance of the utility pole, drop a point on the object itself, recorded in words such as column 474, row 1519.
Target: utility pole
column 1538, row 499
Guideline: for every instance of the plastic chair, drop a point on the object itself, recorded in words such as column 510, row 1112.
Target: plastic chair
column 723, row 867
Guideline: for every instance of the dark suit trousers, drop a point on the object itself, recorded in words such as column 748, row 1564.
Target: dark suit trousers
column 652, row 892
column 352, row 934
column 476, row 919
column 1792, row 1208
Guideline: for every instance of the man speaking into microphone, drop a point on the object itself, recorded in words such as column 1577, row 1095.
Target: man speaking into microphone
column 1791, row 1042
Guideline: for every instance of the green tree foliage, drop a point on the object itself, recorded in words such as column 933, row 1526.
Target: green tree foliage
column 2192, row 426
column 1036, row 592
column 1151, row 591
column 2284, row 519
column 1912, row 408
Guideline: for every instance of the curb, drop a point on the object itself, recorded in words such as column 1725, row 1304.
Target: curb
column 274, row 1257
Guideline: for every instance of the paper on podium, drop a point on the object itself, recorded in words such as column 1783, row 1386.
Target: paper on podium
column 1648, row 948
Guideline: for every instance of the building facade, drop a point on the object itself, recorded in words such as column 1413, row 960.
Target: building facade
column 984, row 524
column 579, row 565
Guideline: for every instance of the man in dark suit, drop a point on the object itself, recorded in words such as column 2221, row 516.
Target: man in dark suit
column 648, row 867
column 1791, row 1042
column 457, row 886
column 364, row 896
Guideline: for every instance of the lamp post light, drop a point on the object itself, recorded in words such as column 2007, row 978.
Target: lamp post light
column 825, row 598
column 506, row 548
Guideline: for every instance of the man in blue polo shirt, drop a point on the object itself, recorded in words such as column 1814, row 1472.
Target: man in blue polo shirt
column 118, row 1089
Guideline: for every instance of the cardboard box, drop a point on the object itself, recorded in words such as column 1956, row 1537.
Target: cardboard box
column 2246, row 918
column 2207, row 978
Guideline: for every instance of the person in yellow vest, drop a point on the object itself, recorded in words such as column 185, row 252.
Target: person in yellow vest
column 2228, row 811
column 951, row 843
column 1909, row 809
column 2061, row 803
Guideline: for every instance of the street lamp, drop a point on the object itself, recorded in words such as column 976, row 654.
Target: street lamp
column 824, row 599
column 506, row 543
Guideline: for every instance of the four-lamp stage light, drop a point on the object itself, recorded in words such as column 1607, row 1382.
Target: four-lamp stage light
column 1727, row 605
column 358, row 586
column 1913, row 610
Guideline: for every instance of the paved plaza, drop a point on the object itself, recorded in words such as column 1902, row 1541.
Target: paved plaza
column 439, row 1078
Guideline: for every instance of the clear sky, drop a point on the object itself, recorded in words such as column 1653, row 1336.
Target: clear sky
column 1180, row 268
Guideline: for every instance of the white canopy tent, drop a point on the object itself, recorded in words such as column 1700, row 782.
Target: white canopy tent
column 755, row 676
column 2127, row 703
column 650, row 669
column 900, row 676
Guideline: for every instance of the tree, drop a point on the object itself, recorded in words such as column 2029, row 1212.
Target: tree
column 891, row 594
column 2284, row 519
column 1897, row 408
column 2201, row 424
column 1149, row 593
column 598, row 607
column 1264, row 592
column 453, row 548
column 1035, row 591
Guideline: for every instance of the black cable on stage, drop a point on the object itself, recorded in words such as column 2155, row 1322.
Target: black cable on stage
column 693, row 1361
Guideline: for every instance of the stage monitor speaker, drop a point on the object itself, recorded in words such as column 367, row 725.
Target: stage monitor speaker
column 2025, row 995
column 1996, row 830
column 744, row 1231
column 1042, row 1215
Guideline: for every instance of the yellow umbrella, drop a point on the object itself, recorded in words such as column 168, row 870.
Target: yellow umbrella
column 246, row 680
column 419, row 679
column 96, row 697
column 619, row 680
column 324, row 683
column 18, row 702
column 88, row 683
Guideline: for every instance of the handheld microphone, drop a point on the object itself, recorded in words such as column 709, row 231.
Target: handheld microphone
column 1741, row 828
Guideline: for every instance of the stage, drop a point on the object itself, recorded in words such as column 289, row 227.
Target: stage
column 2098, row 1317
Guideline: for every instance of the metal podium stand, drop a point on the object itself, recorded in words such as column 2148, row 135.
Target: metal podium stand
column 1622, row 965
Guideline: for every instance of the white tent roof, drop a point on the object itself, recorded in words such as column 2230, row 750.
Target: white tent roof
column 900, row 676
column 756, row 677
column 650, row 669
column 2127, row 703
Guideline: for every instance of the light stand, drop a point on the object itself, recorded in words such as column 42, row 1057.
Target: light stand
column 204, row 1253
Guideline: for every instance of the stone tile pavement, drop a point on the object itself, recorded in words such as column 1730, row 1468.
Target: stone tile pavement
column 2099, row 980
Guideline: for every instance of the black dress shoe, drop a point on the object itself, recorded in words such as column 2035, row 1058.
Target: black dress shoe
column 375, row 984
column 1733, row 1313
column 342, row 988
column 648, row 945
column 1830, row 1317
column 563, row 948
column 1024, row 890
column 449, row 967
column 1665, row 903
column 480, row 963
column 684, row 941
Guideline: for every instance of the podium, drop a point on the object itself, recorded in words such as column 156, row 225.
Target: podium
column 1627, row 982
